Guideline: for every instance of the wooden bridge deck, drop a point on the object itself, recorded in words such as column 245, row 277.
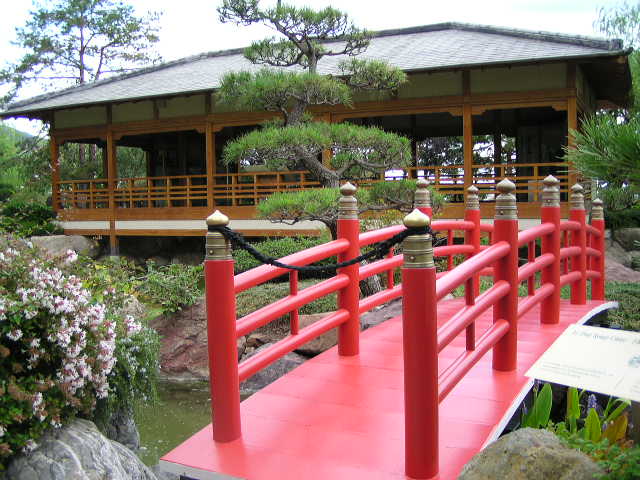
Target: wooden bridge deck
column 342, row 417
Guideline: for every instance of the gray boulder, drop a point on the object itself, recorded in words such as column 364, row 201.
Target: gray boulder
column 271, row 373
column 57, row 245
column 122, row 428
column 78, row 451
column 627, row 237
column 530, row 454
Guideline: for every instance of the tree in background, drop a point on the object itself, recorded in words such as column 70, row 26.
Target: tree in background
column 295, row 140
column 71, row 42
column 607, row 147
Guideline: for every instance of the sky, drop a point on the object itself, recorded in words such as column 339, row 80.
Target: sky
column 189, row 27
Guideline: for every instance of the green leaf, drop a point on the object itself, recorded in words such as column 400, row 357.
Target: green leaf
column 592, row 426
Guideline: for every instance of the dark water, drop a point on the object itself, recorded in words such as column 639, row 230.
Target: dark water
column 183, row 410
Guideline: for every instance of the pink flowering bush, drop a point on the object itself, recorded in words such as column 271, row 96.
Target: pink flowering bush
column 62, row 352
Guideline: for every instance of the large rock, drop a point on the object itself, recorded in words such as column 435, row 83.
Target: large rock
column 183, row 347
column 271, row 373
column 57, row 245
column 78, row 451
column 122, row 428
column 320, row 344
column 530, row 454
column 614, row 251
column 132, row 306
column 627, row 238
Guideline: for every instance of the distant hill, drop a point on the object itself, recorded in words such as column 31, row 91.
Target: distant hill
column 17, row 135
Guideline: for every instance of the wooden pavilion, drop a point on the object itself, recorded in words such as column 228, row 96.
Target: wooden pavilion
column 465, row 81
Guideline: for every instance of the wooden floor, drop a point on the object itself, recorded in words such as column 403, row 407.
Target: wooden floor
column 342, row 417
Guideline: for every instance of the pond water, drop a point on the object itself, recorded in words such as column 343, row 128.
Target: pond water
column 184, row 409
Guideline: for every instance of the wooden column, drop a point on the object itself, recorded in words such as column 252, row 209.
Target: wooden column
column 55, row 173
column 210, row 149
column 572, row 116
column 112, row 176
column 467, row 131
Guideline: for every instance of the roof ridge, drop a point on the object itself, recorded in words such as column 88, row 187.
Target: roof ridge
column 581, row 40
column 594, row 42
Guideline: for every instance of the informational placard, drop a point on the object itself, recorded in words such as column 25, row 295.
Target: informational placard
column 596, row 359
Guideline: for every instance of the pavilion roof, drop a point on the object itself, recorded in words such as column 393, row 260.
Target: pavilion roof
column 436, row 47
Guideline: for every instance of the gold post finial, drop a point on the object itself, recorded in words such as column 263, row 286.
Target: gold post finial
column 597, row 209
column 422, row 196
column 576, row 199
column 551, row 192
column 473, row 200
column 506, row 208
column 217, row 247
column 348, row 204
column 417, row 249
column 218, row 219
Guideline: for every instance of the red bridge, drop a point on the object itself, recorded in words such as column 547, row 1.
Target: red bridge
column 418, row 395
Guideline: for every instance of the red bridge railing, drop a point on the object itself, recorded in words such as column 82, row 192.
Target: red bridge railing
column 558, row 253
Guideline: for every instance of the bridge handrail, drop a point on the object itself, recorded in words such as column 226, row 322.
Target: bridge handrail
column 264, row 273
column 569, row 225
column 534, row 233
column 466, row 270
column 591, row 230
column 277, row 309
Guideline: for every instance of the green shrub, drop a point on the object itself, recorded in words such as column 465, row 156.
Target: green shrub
column 171, row 286
column 6, row 191
column 627, row 315
column 277, row 248
column 62, row 351
column 25, row 219
column 629, row 218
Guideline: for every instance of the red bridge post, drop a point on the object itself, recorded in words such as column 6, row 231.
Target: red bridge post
column 420, row 346
column 578, row 239
column 597, row 221
column 349, row 296
column 422, row 197
column 550, row 213
column 472, row 237
column 505, row 225
column 221, row 331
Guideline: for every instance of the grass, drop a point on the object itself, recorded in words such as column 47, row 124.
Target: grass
column 626, row 316
column 262, row 295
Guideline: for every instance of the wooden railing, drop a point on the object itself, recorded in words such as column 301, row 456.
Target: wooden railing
column 249, row 188
column 428, row 379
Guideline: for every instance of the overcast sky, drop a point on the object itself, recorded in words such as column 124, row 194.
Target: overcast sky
column 191, row 26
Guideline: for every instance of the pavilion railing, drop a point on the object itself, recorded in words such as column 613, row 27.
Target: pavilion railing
column 249, row 188
column 569, row 253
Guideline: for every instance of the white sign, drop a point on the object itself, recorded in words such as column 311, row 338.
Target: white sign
column 595, row 359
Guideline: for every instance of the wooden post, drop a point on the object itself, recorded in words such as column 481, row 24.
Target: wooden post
column 349, row 296
column 55, row 173
column 597, row 221
column 112, row 176
column 210, row 146
column 578, row 239
column 420, row 350
column 550, row 213
column 221, row 330
column 505, row 225
column 467, row 142
column 572, row 116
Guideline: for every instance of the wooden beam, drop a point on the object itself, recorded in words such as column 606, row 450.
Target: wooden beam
column 112, row 175
column 210, row 153
column 467, row 143
column 55, row 172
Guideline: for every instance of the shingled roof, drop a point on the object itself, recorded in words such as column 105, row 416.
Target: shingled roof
column 426, row 48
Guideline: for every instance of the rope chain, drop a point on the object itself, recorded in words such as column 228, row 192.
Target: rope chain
column 376, row 253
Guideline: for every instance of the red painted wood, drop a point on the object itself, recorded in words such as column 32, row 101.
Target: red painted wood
column 349, row 295
column 420, row 354
column 597, row 284
column 342, row 417
column 221, row 330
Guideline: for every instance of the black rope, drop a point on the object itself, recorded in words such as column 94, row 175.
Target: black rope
column 376, row 253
